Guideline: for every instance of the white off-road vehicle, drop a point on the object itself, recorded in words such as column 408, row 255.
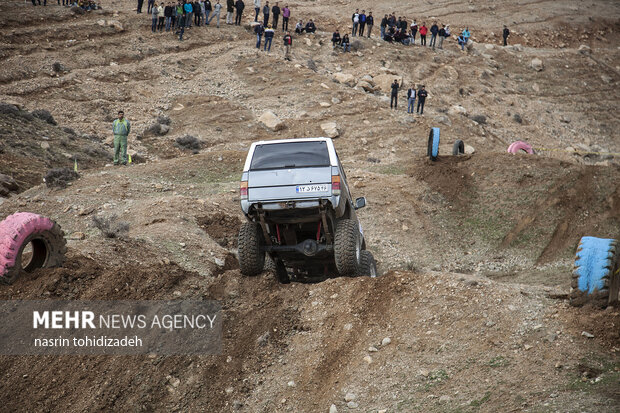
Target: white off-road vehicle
column 299, row 211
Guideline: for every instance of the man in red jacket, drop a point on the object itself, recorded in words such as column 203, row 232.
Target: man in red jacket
column 423, row 31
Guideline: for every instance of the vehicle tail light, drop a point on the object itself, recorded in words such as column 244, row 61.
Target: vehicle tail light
column 336, row 184
column 243, row 190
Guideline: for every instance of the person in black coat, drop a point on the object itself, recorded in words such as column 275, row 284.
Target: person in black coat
column 370, row 21
column 310, row 27
column 505, row 35
column 422, row 94
column 239, row 5
column 394, row 100
column 336, row 39
column 275, row 12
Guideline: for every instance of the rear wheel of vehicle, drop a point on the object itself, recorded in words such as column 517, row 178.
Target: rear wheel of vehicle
column 251, row 257
column 347, row 247
column 281, row 273
column 368, row 265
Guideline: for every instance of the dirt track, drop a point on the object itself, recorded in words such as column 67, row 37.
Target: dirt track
column 476, row 251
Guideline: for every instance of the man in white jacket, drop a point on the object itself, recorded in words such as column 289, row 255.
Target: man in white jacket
column 256, row 9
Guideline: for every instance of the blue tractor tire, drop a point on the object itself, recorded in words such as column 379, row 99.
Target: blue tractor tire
column 596, row 275
column 433, row 144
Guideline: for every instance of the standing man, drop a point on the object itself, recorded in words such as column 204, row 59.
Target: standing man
column 168, row 15
column 286, row 13
column 370, row 21
column 442, row 36
column 256, row 9
column 362, row 18
column 288, row 42
column 148, row 8
column 208, row 9
column 139, row 9
column 422, row 94
column 505, row 35
column 423, row 31
column 269, row 33
column 394, row 100
column 188, row 13
column 355, row 18
column 411, row 94
column 259, row 30
column 266, row 14
column 414, row 31
column 384, row 23
column 239, row 5
column 121, row 128
column 275, row 11
column 434, row 32
column 216, row 12
column 230, row 8
column 154, row 14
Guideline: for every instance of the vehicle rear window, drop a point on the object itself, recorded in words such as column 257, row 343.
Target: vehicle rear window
column 290, row 155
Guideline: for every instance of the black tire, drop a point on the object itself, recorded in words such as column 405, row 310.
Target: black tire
column 458, row 148
column 49, row 246
column 251, row 257
column 347, row 247
column 368, row 265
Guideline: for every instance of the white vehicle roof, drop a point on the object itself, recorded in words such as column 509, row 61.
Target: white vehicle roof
column 330, row 148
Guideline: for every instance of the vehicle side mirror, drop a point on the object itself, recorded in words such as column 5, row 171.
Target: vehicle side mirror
column 360, row 203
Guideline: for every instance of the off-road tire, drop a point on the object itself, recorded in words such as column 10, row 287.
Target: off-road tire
column 458, row 148
column 251, row 257
column 368, row 265
column 347, row 247
column 433, row 144
column 520, row 147
column 17, row 231
column 282, row 273
column 596, row 275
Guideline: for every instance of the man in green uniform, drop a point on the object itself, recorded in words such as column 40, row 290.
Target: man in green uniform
column 121, row 128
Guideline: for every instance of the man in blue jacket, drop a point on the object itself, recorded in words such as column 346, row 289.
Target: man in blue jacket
column 434, row 31
column 362, row 19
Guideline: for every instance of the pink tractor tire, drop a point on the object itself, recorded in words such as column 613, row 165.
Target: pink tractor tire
column 22, row 228
column 519, row 146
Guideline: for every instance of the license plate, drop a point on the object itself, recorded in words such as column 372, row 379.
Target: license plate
column 312, row 188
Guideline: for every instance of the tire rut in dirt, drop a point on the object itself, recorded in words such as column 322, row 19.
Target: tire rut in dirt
column 251, row 258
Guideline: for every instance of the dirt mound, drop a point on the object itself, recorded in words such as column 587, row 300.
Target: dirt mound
column 223, row 228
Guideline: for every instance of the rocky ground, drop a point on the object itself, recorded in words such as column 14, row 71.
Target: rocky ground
column 476, row 251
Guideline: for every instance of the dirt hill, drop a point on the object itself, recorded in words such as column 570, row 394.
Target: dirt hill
column 476, row 251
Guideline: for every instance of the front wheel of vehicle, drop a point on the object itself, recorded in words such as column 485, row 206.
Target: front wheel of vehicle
column 251, row 257
column 347, row 247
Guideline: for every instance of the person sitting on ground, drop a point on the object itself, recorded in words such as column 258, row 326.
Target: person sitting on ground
column 399, row 36
column 346, row 43
column 299, row 27
column 389, row 34
column 310, row 27
column 336, row 39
